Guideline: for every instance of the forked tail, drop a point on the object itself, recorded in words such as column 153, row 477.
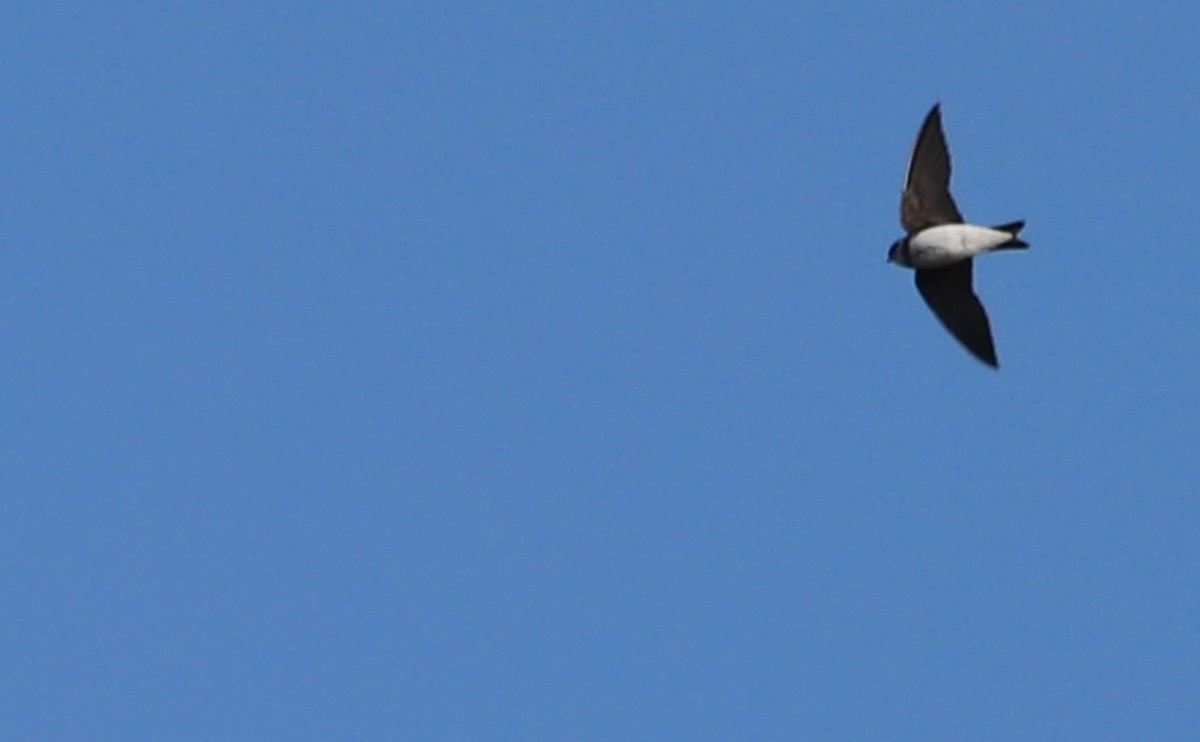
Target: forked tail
column 1015, row 243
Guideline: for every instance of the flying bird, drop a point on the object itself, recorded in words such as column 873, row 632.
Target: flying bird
column 940, row 246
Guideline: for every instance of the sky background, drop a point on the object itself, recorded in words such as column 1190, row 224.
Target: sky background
column 454, row 371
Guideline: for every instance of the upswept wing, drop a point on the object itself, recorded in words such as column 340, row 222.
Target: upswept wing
column 926, row 200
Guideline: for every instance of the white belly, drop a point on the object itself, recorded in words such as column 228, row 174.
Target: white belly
column 946, row 244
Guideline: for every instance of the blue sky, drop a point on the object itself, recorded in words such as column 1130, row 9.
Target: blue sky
column 449, row 371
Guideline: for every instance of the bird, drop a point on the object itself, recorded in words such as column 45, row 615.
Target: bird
column 940, row 247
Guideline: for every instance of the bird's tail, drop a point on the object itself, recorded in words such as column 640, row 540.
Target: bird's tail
column 1015, row 243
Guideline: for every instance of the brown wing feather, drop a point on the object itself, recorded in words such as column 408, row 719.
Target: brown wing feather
column 926, row 200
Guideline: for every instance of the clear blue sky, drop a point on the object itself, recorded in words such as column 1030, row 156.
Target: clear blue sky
column 436, row 371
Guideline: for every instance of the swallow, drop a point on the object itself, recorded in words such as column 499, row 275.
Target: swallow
column 940, row 246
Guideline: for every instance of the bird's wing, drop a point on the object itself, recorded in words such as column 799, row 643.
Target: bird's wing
column 948, row 293
column 926, row 199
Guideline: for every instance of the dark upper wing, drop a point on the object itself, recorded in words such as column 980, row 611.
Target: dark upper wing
column 926, row 199
column 948, row 293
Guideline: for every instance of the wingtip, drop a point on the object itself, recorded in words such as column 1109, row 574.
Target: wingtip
column 987, row 356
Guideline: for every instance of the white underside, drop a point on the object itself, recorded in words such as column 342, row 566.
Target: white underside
column 946, row 244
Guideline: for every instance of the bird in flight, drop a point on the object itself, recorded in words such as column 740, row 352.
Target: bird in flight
column 940, row 246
